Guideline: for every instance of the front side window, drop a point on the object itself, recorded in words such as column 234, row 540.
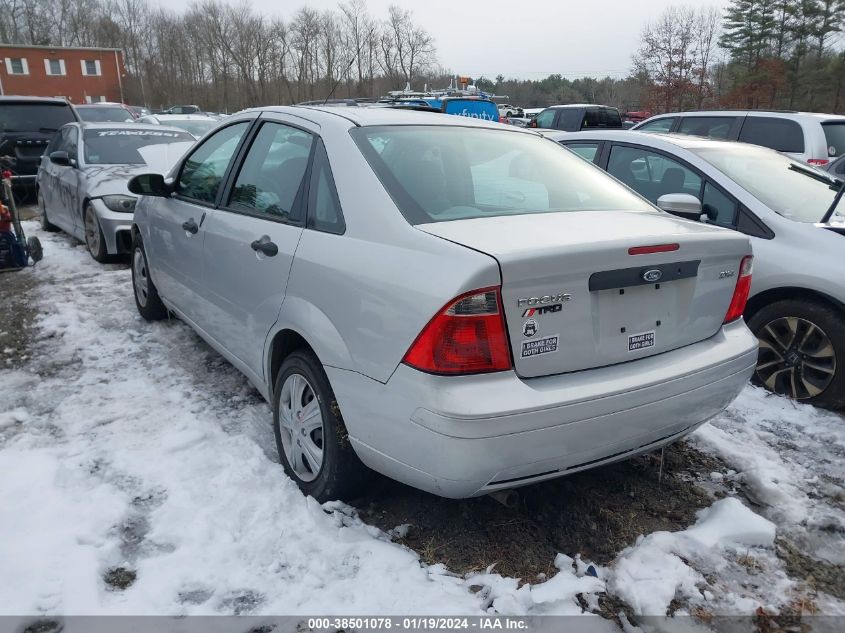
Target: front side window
column 443, row 173
column 70, row 141
column 718, row 127
column 658, row 125
column 719, row 207
column 271, row 176
column 203, row 171
column 134, row 147
column 545, row 119
column 651, row 174
column 782, row 135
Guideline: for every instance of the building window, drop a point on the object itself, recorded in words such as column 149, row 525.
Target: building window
column 95, row 99
column 55, row 66
column 17, row 66
column 91, row 67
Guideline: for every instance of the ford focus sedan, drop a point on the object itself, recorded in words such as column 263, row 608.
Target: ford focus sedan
column 795, row 218
column 459, row 305
column 83, row 176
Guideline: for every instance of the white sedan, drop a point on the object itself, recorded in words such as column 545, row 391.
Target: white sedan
column 194, row 124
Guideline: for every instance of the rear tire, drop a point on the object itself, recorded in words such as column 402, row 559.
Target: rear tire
column 316, row 454
column 802, row 351
column 149, row 304
column 45, row 222
column 94, row 239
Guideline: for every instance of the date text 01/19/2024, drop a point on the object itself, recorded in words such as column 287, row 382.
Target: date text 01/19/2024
column 418, row 623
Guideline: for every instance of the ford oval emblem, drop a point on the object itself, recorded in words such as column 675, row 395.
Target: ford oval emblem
column 652, row 275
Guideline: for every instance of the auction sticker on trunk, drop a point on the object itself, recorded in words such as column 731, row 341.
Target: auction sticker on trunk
column 640, row 341
column 545, row 345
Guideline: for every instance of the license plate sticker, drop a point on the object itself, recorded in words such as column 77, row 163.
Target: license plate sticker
column 540, row 346
column 640, row 341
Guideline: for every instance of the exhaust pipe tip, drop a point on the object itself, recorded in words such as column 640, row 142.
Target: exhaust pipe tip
column 508, row 498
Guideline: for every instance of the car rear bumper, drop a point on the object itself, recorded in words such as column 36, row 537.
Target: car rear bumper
column 466, row 436
column 116, row 227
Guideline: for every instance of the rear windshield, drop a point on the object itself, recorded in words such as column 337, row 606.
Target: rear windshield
column 442, row 173
column 127, row 147
column 834, row 134
column 34, row 117
column 105, row 114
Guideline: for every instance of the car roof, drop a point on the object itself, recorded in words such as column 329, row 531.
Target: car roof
column 579, row 105
column 25, row 99
column 371, row 116
column 144, row 127
column 684, row 141
column 785, row 114
column 102, row 104
column 181, row 117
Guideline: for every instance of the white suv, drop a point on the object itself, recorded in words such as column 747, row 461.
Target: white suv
column 806, row 136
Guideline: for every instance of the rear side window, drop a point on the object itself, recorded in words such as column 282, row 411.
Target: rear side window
column 782, row 135
column 718, row 127
column 651, row 174
column 587, row 151
column 272, row 172
column 834, row 134
column 324, row 212
column 614, row 119
column 658, row 125
column 570, row 119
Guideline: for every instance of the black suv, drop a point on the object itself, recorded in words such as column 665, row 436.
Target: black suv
column 27, row 124
column 578, row 116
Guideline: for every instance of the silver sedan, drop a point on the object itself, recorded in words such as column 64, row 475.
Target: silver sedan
column 796, row 223
column 83, row 175
column 463, row 306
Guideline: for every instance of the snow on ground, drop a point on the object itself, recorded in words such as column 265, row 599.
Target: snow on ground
column 133, row 445
column 128, row 445
column 789, row 459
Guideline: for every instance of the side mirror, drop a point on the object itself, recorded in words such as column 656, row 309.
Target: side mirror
column 62, row 158
column 683, row 205
column 149, row 185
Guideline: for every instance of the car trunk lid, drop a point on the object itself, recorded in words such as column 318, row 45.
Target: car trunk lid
column 577, row 295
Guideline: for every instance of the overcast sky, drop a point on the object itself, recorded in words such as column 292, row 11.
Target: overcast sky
column 528, row 40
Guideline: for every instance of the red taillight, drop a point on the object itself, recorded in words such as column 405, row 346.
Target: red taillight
column 743, row 287
column 817, row 161
column 655, row 248
column 468, row 336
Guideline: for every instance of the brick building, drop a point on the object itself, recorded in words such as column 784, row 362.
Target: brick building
column 83, row 75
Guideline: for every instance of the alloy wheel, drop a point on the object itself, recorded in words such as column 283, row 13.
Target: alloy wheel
column 796, row 359
column 301, row 426
column 92, row 231
column 139, row 278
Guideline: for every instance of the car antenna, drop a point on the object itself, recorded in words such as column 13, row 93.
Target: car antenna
column 349, row 65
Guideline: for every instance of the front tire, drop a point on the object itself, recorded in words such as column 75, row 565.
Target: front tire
column 802, row 351
column 45, row 222
column 311, row 437
column 94, row 239
column 147, row 300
